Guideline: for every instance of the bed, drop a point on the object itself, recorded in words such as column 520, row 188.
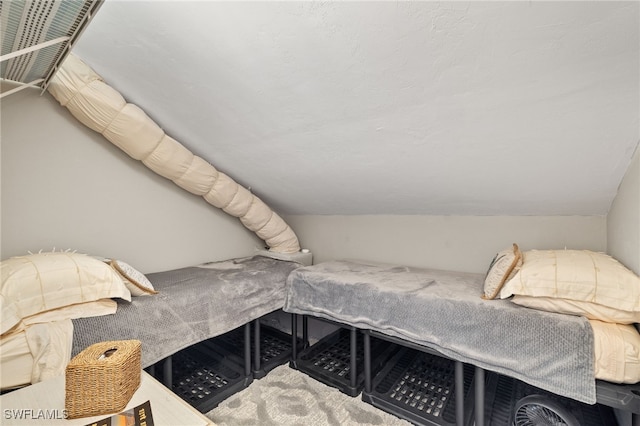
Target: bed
column 177, row 309
column 445, row 311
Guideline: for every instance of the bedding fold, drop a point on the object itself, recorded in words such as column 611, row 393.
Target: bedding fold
column 39, row 346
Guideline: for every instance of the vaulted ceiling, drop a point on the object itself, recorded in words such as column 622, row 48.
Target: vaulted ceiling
column 465, row 108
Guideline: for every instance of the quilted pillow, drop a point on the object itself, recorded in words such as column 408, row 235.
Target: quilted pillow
column 137, row 283
column 503, row 267
column 579, row 275
column 40, row 282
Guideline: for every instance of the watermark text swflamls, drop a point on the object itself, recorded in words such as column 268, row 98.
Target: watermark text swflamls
column 34, row 414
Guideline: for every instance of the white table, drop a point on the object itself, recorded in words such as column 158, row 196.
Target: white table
column 47, row 399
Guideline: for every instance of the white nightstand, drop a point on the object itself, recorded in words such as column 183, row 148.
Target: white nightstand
column 47, row 399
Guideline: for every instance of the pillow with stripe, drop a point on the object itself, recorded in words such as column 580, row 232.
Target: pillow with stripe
column 576, row 275
column 41, row 282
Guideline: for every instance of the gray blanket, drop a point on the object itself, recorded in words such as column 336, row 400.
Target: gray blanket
column 193, row 304
column 443, row 310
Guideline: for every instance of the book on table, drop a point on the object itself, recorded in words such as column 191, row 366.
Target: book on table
column 136, row 416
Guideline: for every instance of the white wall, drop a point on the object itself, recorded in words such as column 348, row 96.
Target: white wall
column 623, row 220
column 463, row 243
column 66, row 186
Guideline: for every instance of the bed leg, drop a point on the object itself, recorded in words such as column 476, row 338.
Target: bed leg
column 168, row 372
column 256, row 343
column 367, row 361
column 247, row 349
column 353, row 355
column 635, row 419
column 479, row 396
column 459, row 378
column 294, row 337
column 305, row 330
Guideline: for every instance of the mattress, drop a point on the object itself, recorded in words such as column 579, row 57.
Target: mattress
column 193, row 304
column 443, row 310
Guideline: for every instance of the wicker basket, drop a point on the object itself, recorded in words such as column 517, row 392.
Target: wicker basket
column 102, row 378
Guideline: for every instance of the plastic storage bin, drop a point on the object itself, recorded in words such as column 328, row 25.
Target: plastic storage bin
column 204, row 378
column 275, row 348
column 420, row 387
column 329, row 360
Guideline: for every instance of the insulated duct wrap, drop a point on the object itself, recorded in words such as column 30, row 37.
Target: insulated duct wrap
column 101, row 108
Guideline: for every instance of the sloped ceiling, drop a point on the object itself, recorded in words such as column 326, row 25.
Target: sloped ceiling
column 465, row 108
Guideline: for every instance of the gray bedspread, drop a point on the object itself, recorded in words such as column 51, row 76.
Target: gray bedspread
column 443, row 310
column 193, row 304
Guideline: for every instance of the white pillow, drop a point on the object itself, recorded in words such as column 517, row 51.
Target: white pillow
column 580, row 275
column 617, row 352
column 502, row 268
column 40, row 282
column 136, row 281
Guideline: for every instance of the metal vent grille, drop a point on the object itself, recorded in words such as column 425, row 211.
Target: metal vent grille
column 36, row 37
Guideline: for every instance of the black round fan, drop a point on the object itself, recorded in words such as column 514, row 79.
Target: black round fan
column 538, row 410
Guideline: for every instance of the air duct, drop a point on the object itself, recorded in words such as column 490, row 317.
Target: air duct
column 101, row 108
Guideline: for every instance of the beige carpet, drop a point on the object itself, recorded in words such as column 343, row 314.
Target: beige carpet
column 288, row 397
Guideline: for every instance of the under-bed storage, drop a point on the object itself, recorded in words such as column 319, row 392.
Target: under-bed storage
column 273, row 347
column 421, row 386
column 333, row 359
column 208, row 372
column 203, row 377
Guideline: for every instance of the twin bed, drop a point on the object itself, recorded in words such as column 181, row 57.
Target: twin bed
column 192, row 305
column 441, row 311
column 182, row 307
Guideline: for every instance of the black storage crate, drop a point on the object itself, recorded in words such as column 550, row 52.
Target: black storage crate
column 204, row 378
column 329, row 360
column 275, row 348
column 420, row 387
column 503, row 393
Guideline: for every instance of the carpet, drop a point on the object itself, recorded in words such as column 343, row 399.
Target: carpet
column 288, row 397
